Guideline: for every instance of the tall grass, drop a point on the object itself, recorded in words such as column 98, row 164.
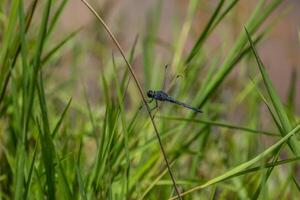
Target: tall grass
column 57, row 145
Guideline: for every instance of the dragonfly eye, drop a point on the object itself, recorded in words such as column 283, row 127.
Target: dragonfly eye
column 150, row 93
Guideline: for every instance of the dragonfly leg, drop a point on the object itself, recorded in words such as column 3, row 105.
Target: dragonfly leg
column 156, row 106
column 149, row 101
column 141, row 106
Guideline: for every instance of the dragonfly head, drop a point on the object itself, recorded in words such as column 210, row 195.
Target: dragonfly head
column 150, row 93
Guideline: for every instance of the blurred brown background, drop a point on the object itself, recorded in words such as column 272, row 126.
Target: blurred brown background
column 280, row 50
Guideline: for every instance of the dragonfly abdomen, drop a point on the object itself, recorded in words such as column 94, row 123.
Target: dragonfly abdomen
column 183, row 104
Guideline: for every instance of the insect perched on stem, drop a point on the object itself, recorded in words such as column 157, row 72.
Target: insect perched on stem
column 162, row 96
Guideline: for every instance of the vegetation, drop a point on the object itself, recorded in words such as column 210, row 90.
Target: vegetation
column 58, row 142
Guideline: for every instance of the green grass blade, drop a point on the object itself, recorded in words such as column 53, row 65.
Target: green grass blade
column 124, row 127
column 90, row 112
column 29, row 178
column 62, row 180
column 59, row 46
column 179, row 43
column 148, row 45
column 267, row 175
column 16, row 52
column 126, row 73
column 245, row 165
column 133, row 49
column 274, row 117
column 106, row 91
column 283, row 118
column 260, row 168
column 21, row 156
column 258, row 17
column 296, row 183
column 291, row 103
column 219, row 124
column 61, row 119
column 42, row 35
column 6, row 45
column 225, row 12
column 80, row 184
column 24, row 53
column 40, row 190
column 47, row 155
column 21, row 152
column 204, row 33
column 155, row 181
column 56, row 15
column 8, row 36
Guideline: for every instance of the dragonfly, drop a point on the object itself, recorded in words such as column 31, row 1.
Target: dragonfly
column 163, row 96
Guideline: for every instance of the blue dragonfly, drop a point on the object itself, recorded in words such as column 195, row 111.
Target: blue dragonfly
column 163, row 96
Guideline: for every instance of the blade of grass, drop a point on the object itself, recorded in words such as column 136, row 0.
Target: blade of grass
column 6, row 44
column 245, row 165
column 258, row 17
column 48, row 162
column 266, row 175
column 29, row 178
column 148, row 164
column 140, row 91
column 277, row 106
column 58, row 46
column 33, row 80
column 154, row 182
column 291, row 104
column 29, row 15
column 61, row 119
column 283, row 118
column 204, row 33
column 220, row 124
column 184, row 32
column 90, row 112
column 148, row 45
column 56, row 15
column 80, row 184
column 25, row 71
column 62, row 180
column 276, row 154
column 125, row 76
column 265, row 166
column 19, row 190
column 21, row 149
column 296, row 183
column 225, row 12
column 46, row 141
column 106, row 91
column 40, row 190
column 124, row 127
column 8, row 40
column 105, row 156
column 274, row 117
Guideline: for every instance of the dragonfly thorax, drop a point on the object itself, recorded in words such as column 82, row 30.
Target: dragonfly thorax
column 158, row 95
